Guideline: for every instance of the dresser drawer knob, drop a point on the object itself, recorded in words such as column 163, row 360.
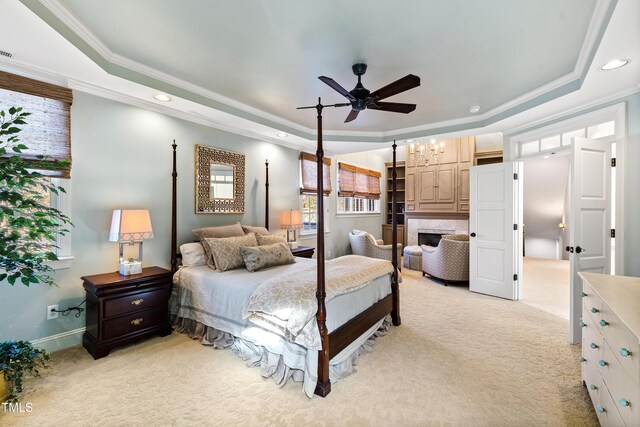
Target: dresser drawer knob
column 593, row 387
column 602, row 363
column 601, row 409
column 594, row 310
column 137, row 301
column 136, row 322
column 593, row 345
column 584, row 294
column 582, row 359
column 582, row 324
column 624, row 402
column 624, row 352
column 603, row 322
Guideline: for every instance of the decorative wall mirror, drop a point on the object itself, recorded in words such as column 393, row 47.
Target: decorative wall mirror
column 219, row 181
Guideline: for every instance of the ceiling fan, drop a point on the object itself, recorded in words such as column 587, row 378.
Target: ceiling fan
column 361, row 98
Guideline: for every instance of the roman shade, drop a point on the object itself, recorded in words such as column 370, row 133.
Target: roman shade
column 309, row 168
column 48, row 129
column 358, row 182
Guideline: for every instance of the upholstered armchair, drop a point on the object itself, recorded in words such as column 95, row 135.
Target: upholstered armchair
column 363, row 243
column 449, row 261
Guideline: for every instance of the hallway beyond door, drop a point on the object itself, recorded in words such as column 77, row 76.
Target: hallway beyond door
column 546, row 285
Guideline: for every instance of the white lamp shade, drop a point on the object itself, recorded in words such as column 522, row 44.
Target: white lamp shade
column 128, row 225
column 291, row 220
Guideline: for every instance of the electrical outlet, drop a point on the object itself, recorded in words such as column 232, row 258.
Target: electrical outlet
column 52, row 314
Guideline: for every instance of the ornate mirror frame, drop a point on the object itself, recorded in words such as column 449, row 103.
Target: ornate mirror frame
column 204, row 204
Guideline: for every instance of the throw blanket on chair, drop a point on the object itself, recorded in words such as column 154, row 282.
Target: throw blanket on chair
column 287, row 304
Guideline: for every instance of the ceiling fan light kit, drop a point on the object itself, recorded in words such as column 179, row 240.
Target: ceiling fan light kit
column 360, row 98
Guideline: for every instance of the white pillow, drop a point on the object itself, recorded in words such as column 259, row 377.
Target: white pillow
column 193, row 254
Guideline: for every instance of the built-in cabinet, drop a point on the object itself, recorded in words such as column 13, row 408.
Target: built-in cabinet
column 401, row 191
column 387, row 234
column 441, row 186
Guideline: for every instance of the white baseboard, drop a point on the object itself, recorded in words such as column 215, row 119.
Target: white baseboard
column 60, row 341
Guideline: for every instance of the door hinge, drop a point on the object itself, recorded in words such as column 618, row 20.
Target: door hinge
column 515, row 227
column 613, row 232
column 515, row 277
column 515, row 176
column 613, row 162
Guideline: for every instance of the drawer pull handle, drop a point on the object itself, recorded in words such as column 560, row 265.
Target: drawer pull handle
column 624, row 352
column 582, row 324
column 593, row 387
column 136, row 322
column 603, row 322
column 594, row 310
column 624, row 402
column 601, row 409
column 137, row 301
column 584, row 294
column 582, row 359
column 594, row 345
column 602, row 363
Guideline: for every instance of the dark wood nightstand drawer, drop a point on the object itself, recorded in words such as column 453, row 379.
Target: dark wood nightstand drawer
column 133, row 322
column 134, row 302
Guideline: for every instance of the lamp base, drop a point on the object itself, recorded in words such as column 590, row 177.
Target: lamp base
column 128, row 268
column 293, row 245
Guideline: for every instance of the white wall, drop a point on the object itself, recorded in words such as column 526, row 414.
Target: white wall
column 540, row 247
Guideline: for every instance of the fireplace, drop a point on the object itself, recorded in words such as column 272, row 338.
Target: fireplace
column 432, row 237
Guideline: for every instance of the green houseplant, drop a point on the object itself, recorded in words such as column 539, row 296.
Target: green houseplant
column 28, row 224
column 18, row 358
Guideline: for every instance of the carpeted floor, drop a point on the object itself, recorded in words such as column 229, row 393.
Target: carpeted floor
column 458, row 359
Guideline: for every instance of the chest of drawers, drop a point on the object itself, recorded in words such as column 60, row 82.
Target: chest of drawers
column 611, row 347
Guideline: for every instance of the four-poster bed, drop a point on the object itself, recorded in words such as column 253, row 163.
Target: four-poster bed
column 346, row 332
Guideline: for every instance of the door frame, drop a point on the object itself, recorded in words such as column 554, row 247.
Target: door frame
column 615, row 113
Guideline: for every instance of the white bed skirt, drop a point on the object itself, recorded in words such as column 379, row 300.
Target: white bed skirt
column 282, row 367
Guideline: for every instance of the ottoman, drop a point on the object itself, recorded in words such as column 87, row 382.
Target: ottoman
column 412, row 258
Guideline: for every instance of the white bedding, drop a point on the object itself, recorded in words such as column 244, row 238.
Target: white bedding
column 217, row 299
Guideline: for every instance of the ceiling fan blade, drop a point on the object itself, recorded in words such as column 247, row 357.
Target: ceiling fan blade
column 407, row 82
column 352, row 116
column 395, row 107
column 335, row 86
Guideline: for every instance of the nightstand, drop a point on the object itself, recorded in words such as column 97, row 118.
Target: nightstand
column 125, row 309
column 303, row 251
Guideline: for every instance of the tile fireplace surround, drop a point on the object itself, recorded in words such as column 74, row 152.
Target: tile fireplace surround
column 441, row 226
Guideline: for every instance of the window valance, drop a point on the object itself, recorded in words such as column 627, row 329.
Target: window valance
column 48, row 129
column 358, row 182
column 309, row 168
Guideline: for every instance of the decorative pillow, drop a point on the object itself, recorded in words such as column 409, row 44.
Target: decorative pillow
column 260, row 231
column 226, row 250
column 216, row 232
column 193, row 254
column 260, row 257
column 270, row 239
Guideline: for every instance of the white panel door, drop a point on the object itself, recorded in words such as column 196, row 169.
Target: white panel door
column 590, row 225
column 494, row 200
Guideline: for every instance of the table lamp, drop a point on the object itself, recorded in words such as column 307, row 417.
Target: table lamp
column 291, row 221
column 130, row 226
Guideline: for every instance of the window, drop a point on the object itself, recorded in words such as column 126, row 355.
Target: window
column 358, row 190
column 599, row 131
column 309, row 188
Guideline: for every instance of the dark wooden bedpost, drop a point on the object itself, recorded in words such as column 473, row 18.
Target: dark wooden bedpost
column 395, row 313
column 323, row 386
column 266, row 195
column 174, row 232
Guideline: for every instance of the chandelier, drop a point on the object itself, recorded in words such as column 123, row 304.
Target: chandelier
column 428, row 152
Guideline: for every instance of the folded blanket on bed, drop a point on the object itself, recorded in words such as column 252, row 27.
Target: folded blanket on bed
column 287, row 304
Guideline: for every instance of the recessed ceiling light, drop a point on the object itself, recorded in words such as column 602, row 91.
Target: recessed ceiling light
column 613, row 64
column 162, row 97
column 410, row 140
column 282, row 135
column 474, row 109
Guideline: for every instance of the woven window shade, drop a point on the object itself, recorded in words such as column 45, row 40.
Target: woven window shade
column 309, row 166
column 358, row 182
column 48, row 128
column 347, row 178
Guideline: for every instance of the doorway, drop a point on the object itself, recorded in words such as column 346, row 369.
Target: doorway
column 546, row 207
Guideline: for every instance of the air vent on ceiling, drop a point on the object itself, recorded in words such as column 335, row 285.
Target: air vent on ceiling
column 4, row 53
